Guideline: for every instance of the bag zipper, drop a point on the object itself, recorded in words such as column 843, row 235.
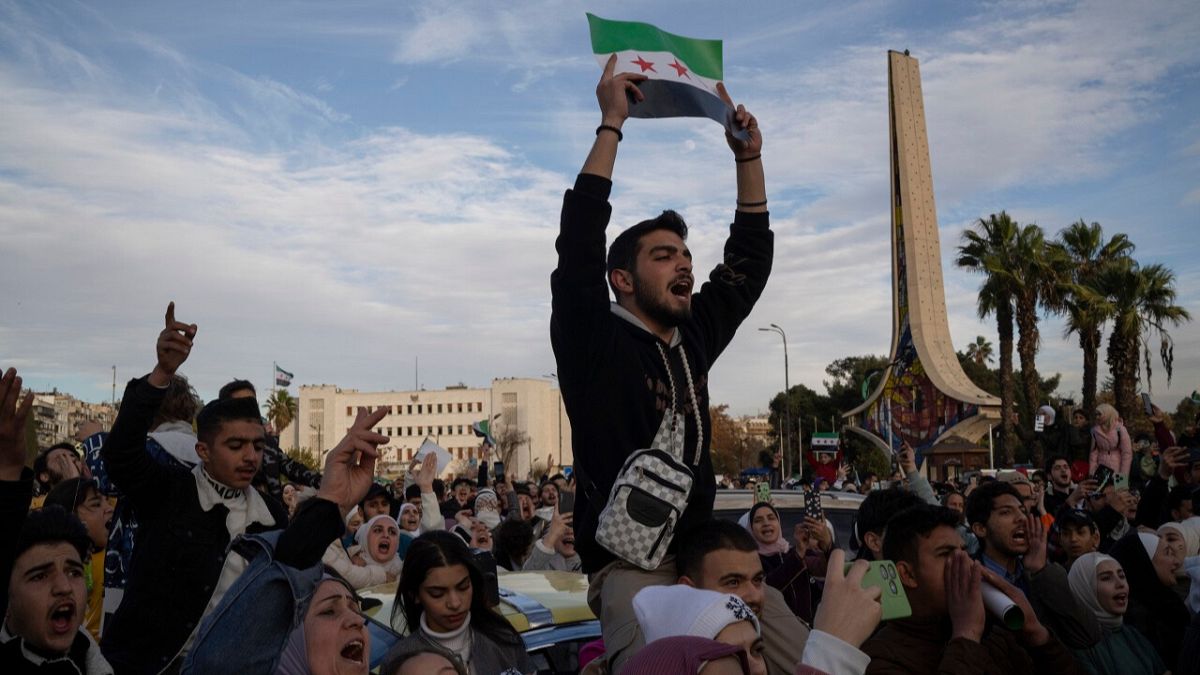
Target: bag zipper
column 666, row 532
column 643, row 474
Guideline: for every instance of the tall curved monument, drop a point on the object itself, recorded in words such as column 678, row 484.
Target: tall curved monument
column 924, row 396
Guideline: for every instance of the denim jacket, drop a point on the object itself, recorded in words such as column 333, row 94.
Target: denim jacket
column 248, row 630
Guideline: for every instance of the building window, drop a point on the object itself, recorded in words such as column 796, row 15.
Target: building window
column 349, row 411
column 410, row 433
column 439, row 431
column 459, row 407
column 409, row 408
column 419, row 408
column 439, row 408
column 479, row 407
column 420, row 431
column 389, row 432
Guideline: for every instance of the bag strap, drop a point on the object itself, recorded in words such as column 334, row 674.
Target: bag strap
column 673, row 412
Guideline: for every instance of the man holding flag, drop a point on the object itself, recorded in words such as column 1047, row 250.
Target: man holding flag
column 641, row 364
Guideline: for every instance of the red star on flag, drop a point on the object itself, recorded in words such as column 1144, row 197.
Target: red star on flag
column 680, row 69
column 644, row 64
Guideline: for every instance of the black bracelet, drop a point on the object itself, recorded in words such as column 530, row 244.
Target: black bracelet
column 752, row 204
column 602, row 127
column 743, row 160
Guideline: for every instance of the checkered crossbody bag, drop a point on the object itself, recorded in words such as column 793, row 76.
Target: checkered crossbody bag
column 651, row 491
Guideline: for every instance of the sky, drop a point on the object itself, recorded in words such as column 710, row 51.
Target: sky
column 349, row 189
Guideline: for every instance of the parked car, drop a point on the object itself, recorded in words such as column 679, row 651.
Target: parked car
column 549, row 609
column 840, row 509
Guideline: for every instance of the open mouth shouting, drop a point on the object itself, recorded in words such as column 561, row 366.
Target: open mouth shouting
column 355, row 652
column 64, row 618
column 681, row 288
column 1020, row 539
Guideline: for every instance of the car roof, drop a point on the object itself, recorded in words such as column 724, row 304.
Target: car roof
column 730, row 500
column 529, row 600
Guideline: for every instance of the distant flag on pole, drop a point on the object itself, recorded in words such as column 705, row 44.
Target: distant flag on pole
column 682, row 73
column 282, row 377
column 483, row 429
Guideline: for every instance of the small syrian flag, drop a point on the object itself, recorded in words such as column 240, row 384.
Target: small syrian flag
column 282, row 377
column 682, row 73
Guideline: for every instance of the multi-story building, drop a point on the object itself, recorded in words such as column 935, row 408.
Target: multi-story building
column 57, row 416
column 526, row 415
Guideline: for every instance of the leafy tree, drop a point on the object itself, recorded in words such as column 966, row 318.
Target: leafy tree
column 732, row 449
column 1143, row 301
column 306, row 457
column 1086, row 255
column 281, row 409
column 980, row 351
column 989, row 248
column 1185, row 415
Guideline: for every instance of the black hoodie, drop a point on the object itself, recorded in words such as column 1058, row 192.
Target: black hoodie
column 615, row 384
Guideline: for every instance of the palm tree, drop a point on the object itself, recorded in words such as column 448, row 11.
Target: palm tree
column 281, row 409
column 1087, row 307
column 1143, row 301
column 988, row 248
column 980, row 351
column 1034, row 277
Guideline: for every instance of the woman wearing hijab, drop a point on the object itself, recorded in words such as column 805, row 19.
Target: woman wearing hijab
column 791, row 570
column 1184, row 541
column 370, row 570
column 1110, row 442
column 1098, row 583
column 332, row 639
column 1153, row 609
column 409, row 520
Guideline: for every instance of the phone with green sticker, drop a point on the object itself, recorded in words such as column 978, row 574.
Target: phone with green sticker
column 893, row 600
column 762, row 493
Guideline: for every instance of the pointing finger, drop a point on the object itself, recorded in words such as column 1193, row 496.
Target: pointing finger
column 170, row 314
column 610, row 66
column 721, row 92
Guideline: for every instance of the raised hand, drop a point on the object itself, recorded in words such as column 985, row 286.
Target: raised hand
column 1172, row 458
column 848, row 611
column 173, row 347
column 427, row 473
column 559, row 523
column 744, row 120
column 907, row 457
column 613, row 93
column 14, row 412
column 1035, row 558
column 818, row 531
column 350, row 466
column 964, row 601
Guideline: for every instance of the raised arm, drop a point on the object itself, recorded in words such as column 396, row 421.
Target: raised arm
column 16, row 481
column 747, row 154
column 613, row 94
column 133, row 471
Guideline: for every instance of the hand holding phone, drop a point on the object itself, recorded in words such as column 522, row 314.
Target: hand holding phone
column 1147, row 404
column 882, row 574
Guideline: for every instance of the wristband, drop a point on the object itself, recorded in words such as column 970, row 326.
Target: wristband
column 609, row 127
column 743, row 160
column 752, row 204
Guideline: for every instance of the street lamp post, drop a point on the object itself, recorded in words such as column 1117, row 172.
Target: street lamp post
column 554, row 376
column 785, row 445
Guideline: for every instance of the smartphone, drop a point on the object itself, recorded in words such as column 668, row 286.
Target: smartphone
column 491, row 580
column 762, row 493
column 893, row 600
column 812, row 505
column 1147, row 405
column 498, row 469
column 1103, row 476
column 566, row 502
column 1039, row 423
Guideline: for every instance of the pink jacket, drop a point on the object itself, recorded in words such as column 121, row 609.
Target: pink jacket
column 1116, row 455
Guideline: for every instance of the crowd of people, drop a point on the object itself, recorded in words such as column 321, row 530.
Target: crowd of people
column 183, row 540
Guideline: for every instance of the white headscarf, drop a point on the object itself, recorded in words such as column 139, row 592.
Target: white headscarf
column 406, row 507
column 360, row 538
column 1082, row 580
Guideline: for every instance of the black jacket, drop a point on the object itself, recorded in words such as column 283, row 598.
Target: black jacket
column 614, row 383
column 179, row 551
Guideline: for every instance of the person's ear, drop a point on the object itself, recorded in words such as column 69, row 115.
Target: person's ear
column 908, row 575
column 43, row 477
column 687, row 581
column 622, row 280
column 202, row 451
column 980, row 531
column 874, row 543
column 1096, row 539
